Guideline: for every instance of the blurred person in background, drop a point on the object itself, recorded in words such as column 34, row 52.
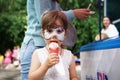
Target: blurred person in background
column 1, row 61
column 109, row 30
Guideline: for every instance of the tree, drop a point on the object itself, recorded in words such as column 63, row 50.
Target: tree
column 86, row 29
column 12, row 22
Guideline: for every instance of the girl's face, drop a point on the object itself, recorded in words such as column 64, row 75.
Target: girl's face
column 56, row 34
column 106, row 22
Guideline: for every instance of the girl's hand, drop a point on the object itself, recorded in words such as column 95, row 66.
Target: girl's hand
column 52, row 59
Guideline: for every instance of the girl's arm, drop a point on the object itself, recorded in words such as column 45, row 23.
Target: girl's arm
column 38, row 70
column 72, row 70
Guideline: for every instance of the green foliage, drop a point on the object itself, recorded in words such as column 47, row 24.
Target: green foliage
column 86, row 29
column 12, row 22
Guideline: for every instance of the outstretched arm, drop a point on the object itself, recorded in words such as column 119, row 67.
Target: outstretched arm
column 43, row 5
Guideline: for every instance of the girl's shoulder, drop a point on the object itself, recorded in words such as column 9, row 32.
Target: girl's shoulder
column 68, row 51
column 111, row 25
column 40, row 51
column 67, row 56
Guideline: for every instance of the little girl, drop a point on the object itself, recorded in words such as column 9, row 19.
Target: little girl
column 44, row 61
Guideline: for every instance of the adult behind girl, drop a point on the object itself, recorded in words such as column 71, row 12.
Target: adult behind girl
column 109, row 29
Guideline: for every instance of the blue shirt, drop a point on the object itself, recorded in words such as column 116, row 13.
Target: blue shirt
column 35, row 10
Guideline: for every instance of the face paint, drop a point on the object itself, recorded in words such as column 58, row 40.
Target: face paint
column 58, row 32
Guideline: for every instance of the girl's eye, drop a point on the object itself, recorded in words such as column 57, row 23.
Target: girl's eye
column 59, row 31
column 50, row 30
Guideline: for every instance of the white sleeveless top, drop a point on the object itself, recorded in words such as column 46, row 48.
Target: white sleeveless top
column 52, row 74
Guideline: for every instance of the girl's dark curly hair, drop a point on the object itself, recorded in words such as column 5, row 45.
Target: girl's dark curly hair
column 50, row 17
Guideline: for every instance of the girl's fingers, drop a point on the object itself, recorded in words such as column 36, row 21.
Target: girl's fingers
column 54, row 59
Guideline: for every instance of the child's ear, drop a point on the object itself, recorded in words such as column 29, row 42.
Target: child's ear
column 66, row 32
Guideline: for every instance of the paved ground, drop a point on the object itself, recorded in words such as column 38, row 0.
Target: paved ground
column 15, row 74
column 9, row 75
